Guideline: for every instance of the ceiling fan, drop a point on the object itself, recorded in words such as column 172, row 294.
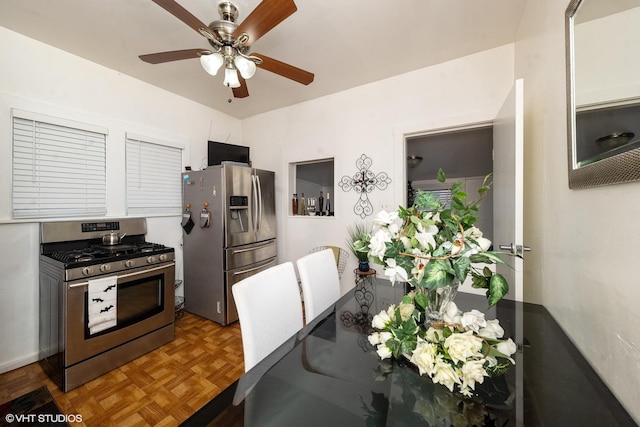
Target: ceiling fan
column 231, row 43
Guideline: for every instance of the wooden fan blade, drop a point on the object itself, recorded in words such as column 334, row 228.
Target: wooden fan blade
column 285, row 70
column 265, row 17
column 174, row 55
column 184, row 15
column 242, row 91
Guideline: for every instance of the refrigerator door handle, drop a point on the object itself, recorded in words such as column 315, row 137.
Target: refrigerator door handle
column 254, row 207
column 253, row 248
column 259, row 188
column 249, row 270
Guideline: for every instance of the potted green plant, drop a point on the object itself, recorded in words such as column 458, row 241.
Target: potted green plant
column 359, row 238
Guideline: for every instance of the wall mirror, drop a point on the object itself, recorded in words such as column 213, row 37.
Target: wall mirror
column 603, row 92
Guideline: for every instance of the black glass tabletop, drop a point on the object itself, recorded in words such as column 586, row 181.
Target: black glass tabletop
column 330, row 375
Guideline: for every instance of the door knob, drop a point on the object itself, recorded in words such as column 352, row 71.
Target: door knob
column 517, row 250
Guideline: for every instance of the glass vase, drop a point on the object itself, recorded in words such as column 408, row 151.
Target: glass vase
column 439, row 298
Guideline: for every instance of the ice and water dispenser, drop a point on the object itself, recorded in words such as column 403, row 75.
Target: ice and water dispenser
column 238, row 214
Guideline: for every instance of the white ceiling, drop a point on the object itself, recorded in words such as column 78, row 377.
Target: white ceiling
column 345, row 43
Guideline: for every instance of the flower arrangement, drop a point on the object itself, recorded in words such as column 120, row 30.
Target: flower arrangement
column 434, row 246
column 457, row 353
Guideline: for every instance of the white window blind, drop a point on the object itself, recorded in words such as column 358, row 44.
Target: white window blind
column 59, row 168
column 153, row 177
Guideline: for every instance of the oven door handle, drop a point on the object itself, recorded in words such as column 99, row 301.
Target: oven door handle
column 122, row 276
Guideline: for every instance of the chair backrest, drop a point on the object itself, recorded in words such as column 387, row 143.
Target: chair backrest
column 319, row 282
column 269, row 311
column 341, row 255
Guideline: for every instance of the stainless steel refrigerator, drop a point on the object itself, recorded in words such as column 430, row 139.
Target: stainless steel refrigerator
column 229, row 233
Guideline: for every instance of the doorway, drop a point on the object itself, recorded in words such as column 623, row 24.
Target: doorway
column 464, row 154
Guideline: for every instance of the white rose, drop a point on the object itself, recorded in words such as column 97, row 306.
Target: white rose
column 424, row 357
column 432, row 335
column 406, row 242
column 507, row 347
column 451, row 313
column 444, row 374
column 462, row 346
column 406, row 311
column 473, row 320
column 484, row 243
column 374, row 338
column 473, row 232
column 492, row 330
column 473, row 372
column 385, row 336
column 381, row 321
column 383, row 352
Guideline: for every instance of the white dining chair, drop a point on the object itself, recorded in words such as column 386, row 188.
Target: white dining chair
column 269, row 311
column 319, row 281
column 341, row 255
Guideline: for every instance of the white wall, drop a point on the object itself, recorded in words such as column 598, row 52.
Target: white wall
column 583, row 263
column 371, row 120
column 38, row 78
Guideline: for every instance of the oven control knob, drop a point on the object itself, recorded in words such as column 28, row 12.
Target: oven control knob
column 105, row 267
column 129, row 263
column 151, row 260
column 163, row 257
column 86, row 271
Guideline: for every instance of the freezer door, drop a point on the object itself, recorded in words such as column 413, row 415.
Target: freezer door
column 238, row 205
column 241, row 256
column 265, row 208
column 234, row 276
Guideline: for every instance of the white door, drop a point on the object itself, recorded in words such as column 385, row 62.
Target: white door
column 508, row 145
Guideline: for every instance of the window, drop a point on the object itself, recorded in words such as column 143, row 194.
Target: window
column 59, row 167
column 153, row 176
column 312, row 179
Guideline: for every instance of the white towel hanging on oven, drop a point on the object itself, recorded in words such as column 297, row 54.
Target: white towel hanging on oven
column 103, row 304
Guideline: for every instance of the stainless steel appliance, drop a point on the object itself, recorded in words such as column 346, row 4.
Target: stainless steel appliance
column 74, row 263
column 229, row 234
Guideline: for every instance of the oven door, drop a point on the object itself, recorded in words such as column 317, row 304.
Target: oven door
column 145, row 303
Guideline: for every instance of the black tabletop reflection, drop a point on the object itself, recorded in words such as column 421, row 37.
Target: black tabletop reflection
column 329, row 375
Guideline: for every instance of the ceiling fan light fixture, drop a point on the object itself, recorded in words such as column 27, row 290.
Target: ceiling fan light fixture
column 231, row 78
column 246, row 67
column 212, row 63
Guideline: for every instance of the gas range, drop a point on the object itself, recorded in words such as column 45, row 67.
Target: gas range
column 101, row 305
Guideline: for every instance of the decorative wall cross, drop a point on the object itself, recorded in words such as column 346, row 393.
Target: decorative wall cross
column 364, row 182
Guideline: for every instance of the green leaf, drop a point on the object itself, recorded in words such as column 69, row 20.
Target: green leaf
column 437, row 274
column 479, row 282
column 441, row 176
column 461, row 268
column 407, row 299
column 498, row 288
column 486, row 258
column 421, row 300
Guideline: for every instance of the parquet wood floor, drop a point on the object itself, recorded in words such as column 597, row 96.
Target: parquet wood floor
column 161, row 388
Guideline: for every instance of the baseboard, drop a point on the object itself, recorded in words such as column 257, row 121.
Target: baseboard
column 18, row 363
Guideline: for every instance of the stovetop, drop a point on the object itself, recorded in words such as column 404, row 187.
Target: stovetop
column 107, row 253
column 76, row 249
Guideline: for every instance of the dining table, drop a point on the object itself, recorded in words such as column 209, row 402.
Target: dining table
column 329, row 374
